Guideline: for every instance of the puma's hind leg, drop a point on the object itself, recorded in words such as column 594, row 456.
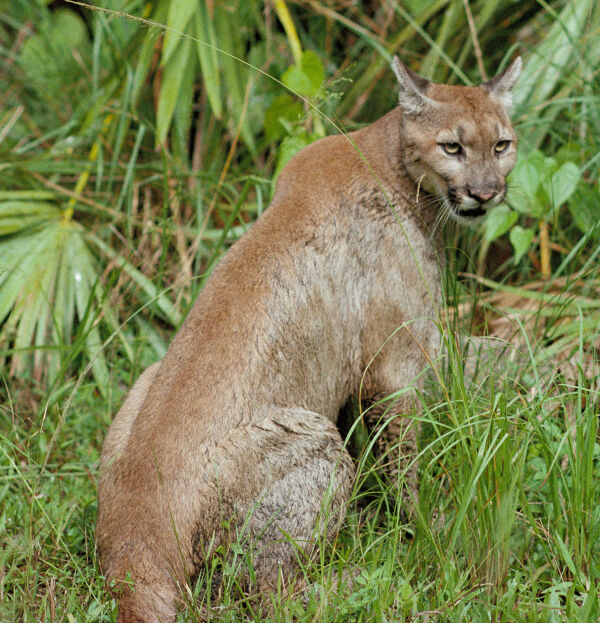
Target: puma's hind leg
column 277, row 485
column 291, row 477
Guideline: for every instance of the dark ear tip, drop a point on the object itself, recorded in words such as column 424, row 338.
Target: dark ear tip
column 505, row 80
column 407, row 77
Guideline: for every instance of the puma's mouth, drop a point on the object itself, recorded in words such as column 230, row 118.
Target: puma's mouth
column 471, row 212
column 464, row 207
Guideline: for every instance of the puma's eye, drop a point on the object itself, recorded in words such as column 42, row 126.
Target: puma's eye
column 501, row 146
column 453, row 149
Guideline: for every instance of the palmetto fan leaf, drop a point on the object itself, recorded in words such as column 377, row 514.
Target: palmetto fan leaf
column 50, row 295
column 53, row 304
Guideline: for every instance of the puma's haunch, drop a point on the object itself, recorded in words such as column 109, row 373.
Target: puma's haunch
column 233, row 434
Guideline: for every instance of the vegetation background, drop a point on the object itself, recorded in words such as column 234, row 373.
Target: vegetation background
column 140, row 138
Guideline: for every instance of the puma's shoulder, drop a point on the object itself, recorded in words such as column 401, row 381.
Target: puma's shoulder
column 342, row 163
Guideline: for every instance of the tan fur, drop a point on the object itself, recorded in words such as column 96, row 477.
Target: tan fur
column 332, row 287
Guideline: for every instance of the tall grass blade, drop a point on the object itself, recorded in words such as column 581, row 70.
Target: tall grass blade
column 170, row 90
column 548, row 65
column 207, row 55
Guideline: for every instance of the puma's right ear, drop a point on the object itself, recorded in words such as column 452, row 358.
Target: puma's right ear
column 502, row 84
column 412, row 96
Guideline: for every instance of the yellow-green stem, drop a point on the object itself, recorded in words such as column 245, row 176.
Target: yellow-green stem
column 83, row 178
column 290, row 30
column 545, row 249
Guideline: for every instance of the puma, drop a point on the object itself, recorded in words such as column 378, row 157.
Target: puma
column 332, row 291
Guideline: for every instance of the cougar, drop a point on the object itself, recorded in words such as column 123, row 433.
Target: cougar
column 333, row 291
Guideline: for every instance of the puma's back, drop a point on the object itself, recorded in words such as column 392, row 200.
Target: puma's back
column 334, row 288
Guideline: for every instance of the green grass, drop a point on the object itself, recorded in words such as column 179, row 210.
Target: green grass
column 506, row 528
column 123, row 181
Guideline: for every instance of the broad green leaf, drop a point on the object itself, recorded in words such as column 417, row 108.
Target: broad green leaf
column 69, row 29
column 27, row 195
column 93, row 342
column 13, row 224
column 170, row 88
column 64, row 295
column 525, row 182
column 498, row 222
column 23, row 265
column 550, row 166
column 545, row 192
column 296, row 80
column 180, row 14
column 146, row 51
column 14, row 251
column 524, row 178
column 28, row 208
column 546, row 66
column 520, row 238
column 313, row 68
column 48, row 58
column 282, row 109
column 182, row 116
column 34, row 279
column 564, row 183
column 289, row 148
column 235, row 73
column 51, row 276
column 540, row 206
column 585, row 208
column 33, row 301
column 537, row 158
column 207, row 54
column 572, row 152
column 307, row 78
column 19, row 215
column 85, row 274
column 31, row 51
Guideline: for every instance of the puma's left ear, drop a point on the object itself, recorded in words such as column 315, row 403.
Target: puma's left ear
column 502, row 84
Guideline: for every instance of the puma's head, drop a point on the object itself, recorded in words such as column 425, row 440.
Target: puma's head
column 459, row 142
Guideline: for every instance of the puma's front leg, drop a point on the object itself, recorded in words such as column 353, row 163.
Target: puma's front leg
column 391, row 419
column 391, row 407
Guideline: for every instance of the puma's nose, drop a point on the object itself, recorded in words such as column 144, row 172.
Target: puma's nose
column 481, row 196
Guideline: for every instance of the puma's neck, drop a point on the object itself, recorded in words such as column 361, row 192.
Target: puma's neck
column 383, row 147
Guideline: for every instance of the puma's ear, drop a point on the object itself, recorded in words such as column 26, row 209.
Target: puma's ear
column 412, row 96
column 502, row 84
